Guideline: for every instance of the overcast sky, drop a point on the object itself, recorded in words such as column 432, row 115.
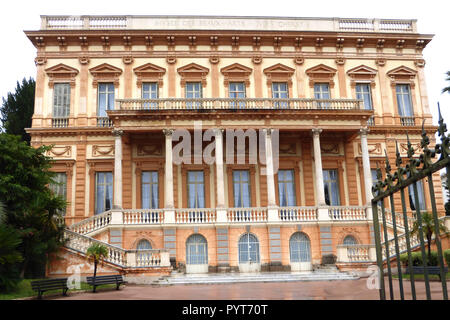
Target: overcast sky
column 433, row 18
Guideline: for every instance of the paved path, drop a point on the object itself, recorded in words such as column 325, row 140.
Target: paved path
column 311, row 290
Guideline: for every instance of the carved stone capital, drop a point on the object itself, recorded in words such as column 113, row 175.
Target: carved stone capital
column 40, row 61
column 168, row 132
column 364, row 131
column 316, row 131
column 117, row 132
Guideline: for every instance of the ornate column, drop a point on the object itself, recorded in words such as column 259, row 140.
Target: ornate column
column 272, row 210
column 366, row 170
column 118, row 133
column 168, row 179
column 220, row 179
column 322, row 211
column 320, row 201
column 169, row 213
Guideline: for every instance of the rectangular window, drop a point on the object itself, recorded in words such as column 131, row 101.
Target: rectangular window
column 150, row 91
column 196, row 189
column 420, row 195
column 404, row 103
column 280, row 91
column 241, row 188
column 322, row 91
column 363, row 92
column 331, row 187
column 150, row 190
column 61, row 100
column 59, row 186
column 103, row 191
column 286, row 188
column 193, row 91
column 105, row 98
column 237, row 91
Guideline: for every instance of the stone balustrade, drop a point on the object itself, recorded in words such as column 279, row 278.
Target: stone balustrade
column 298, row 213
column 233, row 104
column 118, row 256
column 347, row 213
column 93, row 223
column 143, row 216
column 247, row 214
column 356, row 253
column 195, row 215
column 131, row 22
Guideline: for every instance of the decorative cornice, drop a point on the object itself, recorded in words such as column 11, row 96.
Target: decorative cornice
column 61, row 73
column 105, row 72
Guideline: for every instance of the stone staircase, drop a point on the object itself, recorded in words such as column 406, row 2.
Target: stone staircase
column 224, row 278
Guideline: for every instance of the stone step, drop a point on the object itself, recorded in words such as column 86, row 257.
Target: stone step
column 239, row 278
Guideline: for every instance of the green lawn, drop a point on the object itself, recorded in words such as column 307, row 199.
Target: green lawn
column 24, row 290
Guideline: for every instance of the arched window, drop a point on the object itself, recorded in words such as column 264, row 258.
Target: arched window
column 248, row 248
column 350, row 240
column 300, row 247
column 143, row 245
column 143, row 257
column 196, row 250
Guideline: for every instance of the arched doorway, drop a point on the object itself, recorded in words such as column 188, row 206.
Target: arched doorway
column 350, row 240
column 196, row 254
column 300, row 252
column 249, row 260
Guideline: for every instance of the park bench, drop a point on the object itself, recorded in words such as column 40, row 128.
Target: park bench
column 49, row 284
column 431, row 270
column 99, row 280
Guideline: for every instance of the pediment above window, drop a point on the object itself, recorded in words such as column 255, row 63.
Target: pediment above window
column 321, row 74
column 279, row 72
column 61, row 73
column 236, row 73
column 402, row 74
column 105, row 73
column 149, row 73
column 362, row 73
column 193, row 72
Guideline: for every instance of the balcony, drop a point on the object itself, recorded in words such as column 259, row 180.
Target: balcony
column 213, row 104
column 60, row 122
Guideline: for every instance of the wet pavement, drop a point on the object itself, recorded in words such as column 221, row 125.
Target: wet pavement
column 301, row 290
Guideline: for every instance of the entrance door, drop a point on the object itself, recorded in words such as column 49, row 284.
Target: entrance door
column 196, row 254
column 249, row 253
column 300, row 252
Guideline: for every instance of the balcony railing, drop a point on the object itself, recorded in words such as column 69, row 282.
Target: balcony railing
column 297, row 213
column 195, row 215
column 104, row 122
column 347, row 213
column 60, row 122
column 143, row 216
column 407, row 121
column 238, row 104
column 247, row 214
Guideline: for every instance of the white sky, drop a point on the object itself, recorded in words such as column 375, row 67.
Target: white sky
column 18, row 53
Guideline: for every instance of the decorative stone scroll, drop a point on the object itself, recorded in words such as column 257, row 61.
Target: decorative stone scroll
column 101, row 151
column 60, row 151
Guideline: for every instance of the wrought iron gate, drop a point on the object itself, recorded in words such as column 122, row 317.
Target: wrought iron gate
column 388, row 251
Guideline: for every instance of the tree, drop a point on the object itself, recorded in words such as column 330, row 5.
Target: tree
column 447, row 89
column 9, row 254
column 428, row 229
column 97, row 252
column 17, row 109
column 32, row 208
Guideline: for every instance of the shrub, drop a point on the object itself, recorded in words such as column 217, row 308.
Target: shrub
column 447, row 257
column 416, row 258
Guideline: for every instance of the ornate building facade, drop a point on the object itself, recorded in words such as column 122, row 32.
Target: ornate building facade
column 321, row 100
